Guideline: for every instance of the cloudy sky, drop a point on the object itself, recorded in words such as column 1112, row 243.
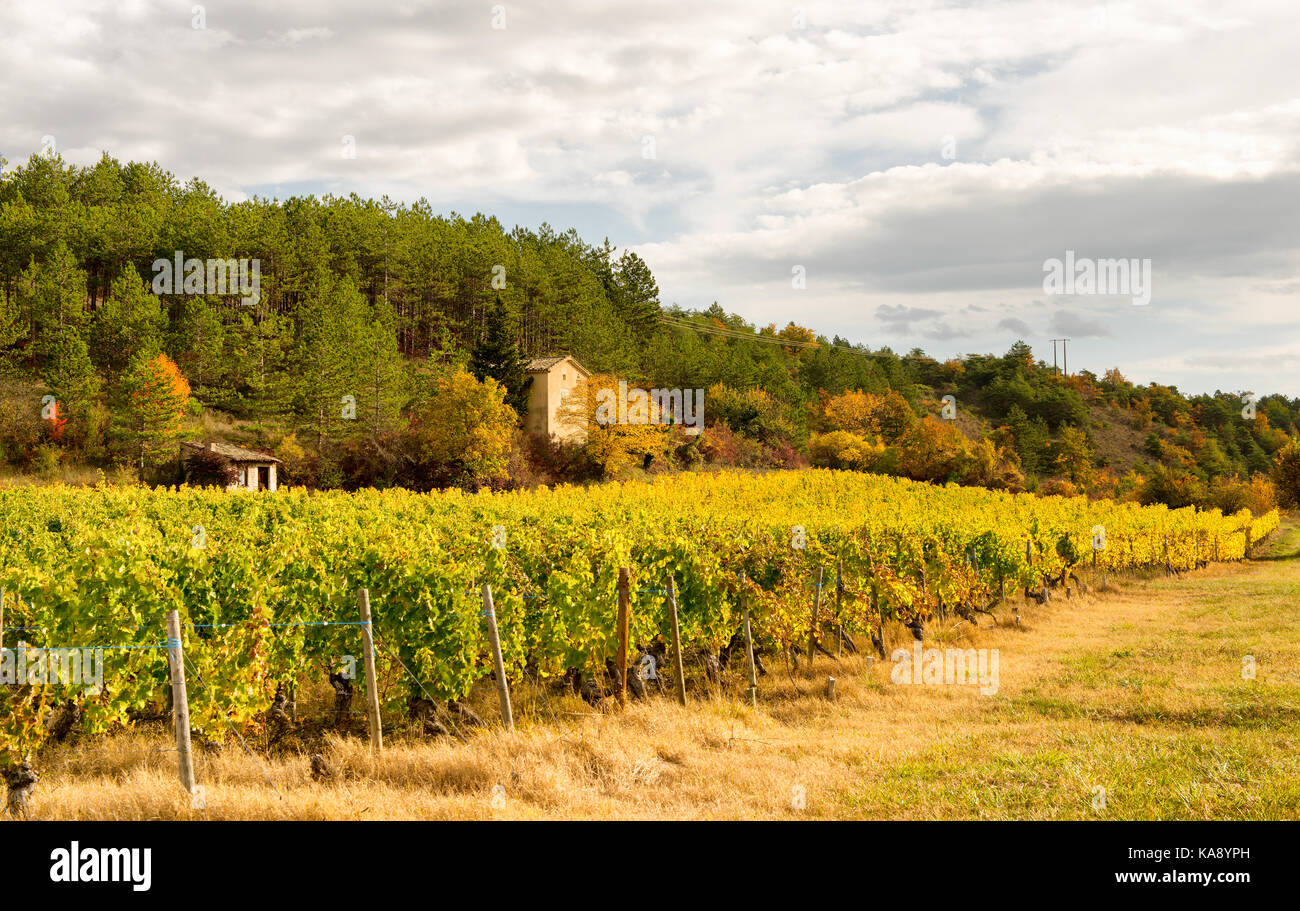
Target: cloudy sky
column 920, row 161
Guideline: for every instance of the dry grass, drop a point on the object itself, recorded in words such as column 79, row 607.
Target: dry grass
column 1139, row 692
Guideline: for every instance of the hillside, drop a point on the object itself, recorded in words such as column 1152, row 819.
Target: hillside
column 1118, row 443
column 136, row 311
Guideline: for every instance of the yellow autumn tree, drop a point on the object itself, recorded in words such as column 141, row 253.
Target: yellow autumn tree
column 798, row 334
column 842, row 449
column 867, row 415
column 622, row 429
column 932, row 450
column 853, row 412
column 465, row 431
column 1074, row 457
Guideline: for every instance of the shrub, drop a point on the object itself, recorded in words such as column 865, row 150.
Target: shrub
column 1057, row 487
column 842, row 449
column 557, row 461
column 1286, row 474
column 296, row 467
column 1174, row 488
column 45, row 461
column 751, row 412
column 206, row 468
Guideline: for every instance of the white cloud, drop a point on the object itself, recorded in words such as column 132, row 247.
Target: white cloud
column 1162, row 128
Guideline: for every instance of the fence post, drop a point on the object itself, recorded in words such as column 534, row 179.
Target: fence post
column 180, row 701
column 372, row 681
column 749, row 646
column 839, row 609
column 503, row 687
column 817, row 603
column 677, row 642
column 623, row 619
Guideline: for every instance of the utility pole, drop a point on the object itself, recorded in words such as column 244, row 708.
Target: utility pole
column 1064, row 357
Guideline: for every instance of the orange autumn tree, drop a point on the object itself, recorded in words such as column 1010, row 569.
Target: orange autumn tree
column 155, row 394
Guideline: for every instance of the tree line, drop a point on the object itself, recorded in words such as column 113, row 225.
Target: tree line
column 377, row 326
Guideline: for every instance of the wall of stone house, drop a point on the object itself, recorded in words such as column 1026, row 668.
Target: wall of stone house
column 545, row 397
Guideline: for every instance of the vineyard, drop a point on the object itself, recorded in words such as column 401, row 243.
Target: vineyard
column 266, row 585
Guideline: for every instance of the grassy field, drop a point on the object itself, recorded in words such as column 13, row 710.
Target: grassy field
column 1138, row 691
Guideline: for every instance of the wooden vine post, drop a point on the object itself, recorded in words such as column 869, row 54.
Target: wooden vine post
column 180, row 701
column 875, row 590
column 677, row 642
column 624, row 608
column 817, row 603
column 372, row 679
column 839, row 609
column 498, row 661
column 749, row 645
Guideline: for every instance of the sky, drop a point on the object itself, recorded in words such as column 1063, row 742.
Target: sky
column 894, row 173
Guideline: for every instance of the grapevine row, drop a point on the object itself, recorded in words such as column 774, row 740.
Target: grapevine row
column 258, row 579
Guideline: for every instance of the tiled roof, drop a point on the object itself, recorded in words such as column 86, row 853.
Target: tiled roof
column 234, row 453
column 544, row 364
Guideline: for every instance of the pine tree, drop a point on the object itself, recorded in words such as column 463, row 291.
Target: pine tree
column 129, row 322
column 329, row 359
column 70, row 374
column 1031, row 439
column 497, row 356
column 54, row 294
column 637, row 295
column 383, row 375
